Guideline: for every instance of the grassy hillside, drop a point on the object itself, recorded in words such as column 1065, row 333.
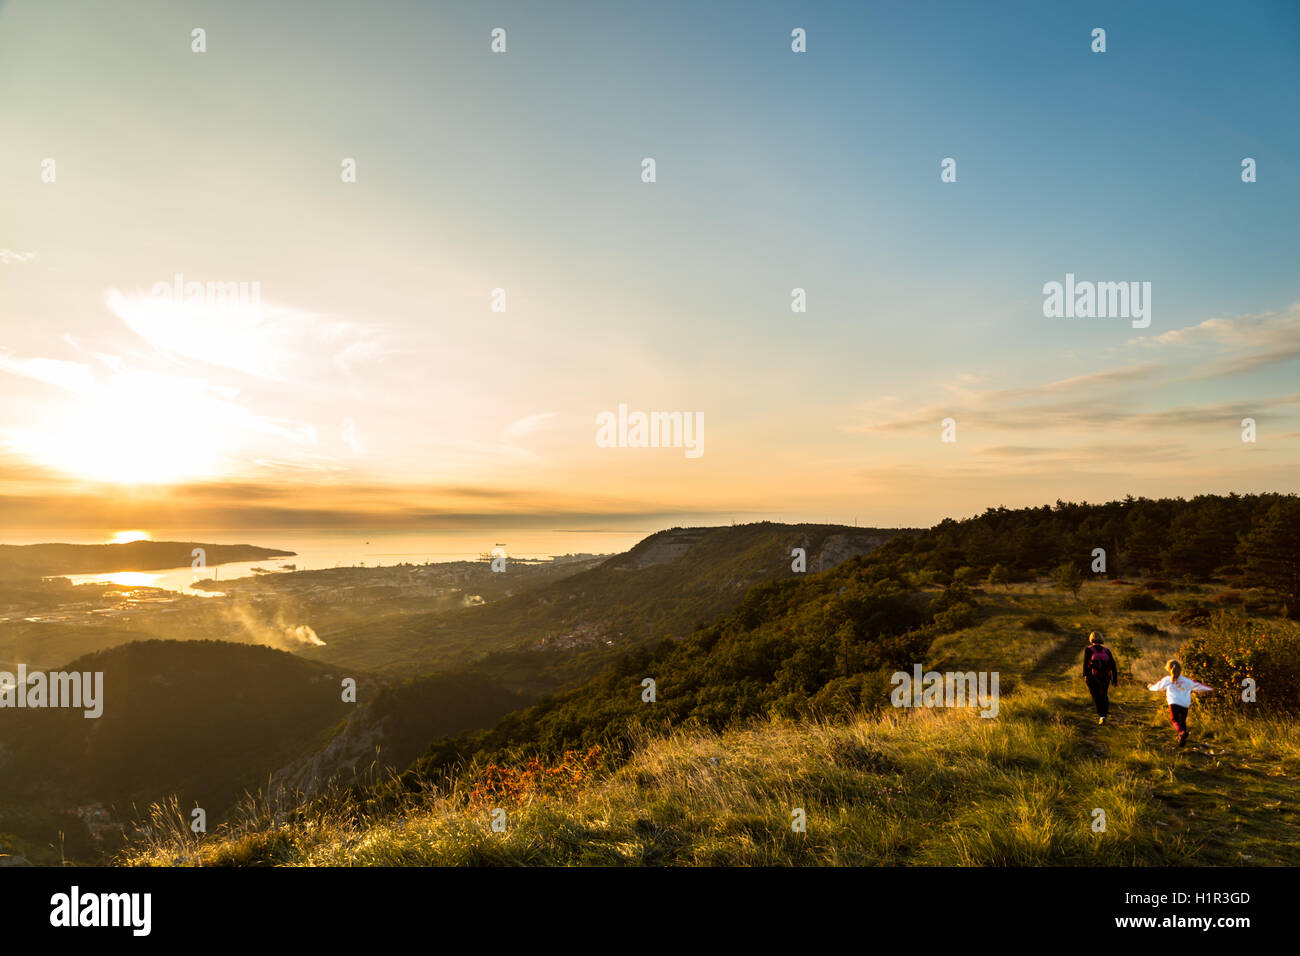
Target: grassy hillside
column 895, row 786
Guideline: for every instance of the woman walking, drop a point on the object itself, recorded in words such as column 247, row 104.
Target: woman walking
column 1099, row 672
column 1178, row 693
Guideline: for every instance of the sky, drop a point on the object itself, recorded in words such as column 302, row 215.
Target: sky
column 372, row 383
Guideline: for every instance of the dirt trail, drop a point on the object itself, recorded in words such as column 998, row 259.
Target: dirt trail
column 1133, row 708
column 1053, row 665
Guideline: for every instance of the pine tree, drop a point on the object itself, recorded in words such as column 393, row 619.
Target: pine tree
column 1272, row 553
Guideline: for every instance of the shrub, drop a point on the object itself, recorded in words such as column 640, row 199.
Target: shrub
column 840, row 697
column 1233, row 648
column 926, row 578
column 1146, row 627
column 1193, row 617
column 956, row 617
column 950, row 598
column 1141, row 601
column 1158, row 587
column 1228, row 597
column 1040, row 622
column 999, row 576
column 498, row 784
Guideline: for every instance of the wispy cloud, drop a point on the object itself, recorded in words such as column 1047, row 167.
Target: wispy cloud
column 1241, row 344
column 71, row 376
column 1257, row 331
column 262, row 339
column 523, row 427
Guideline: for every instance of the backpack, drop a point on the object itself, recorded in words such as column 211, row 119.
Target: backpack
column 1100, row 661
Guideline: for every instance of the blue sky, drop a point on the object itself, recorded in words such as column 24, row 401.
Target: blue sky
column 775, row 170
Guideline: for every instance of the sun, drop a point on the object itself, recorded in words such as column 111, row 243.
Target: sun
column 130, row 430
column 126, row 537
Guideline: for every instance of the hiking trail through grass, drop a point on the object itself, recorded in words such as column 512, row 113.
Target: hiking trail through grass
column 1226, row 791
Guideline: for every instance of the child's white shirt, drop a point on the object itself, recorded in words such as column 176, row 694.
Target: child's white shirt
column 1178, row 691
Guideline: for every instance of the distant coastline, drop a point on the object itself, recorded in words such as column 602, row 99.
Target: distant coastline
column 38, row 560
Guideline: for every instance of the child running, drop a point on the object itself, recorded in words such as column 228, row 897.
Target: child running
column 1178, row 692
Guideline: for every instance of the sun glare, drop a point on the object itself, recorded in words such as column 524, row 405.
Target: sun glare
column 126, row 537
column 132, row 429
column 130, row 579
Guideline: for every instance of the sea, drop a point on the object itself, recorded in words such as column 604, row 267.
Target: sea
column 316, row 549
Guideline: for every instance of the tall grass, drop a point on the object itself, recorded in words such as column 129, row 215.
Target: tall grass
column 929, row 787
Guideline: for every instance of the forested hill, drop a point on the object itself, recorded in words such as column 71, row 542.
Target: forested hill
column 203, row 719
column 676, row 580
column 820, row 643
column 668, row 585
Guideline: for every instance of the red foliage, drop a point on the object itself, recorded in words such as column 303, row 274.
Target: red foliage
column 499, row 785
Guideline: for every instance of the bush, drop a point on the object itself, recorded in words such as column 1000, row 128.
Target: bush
column 956, row 617
column 950, row 598
column 1233, row 648
column 842, row 696
column 1228, row 597
column 1000, row 576
column 1141, row 601
column 926, row 578
column 1158, row 587
column 1041, row 622
column 1193, row 617
column 1145, row 627
column 497, row 784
